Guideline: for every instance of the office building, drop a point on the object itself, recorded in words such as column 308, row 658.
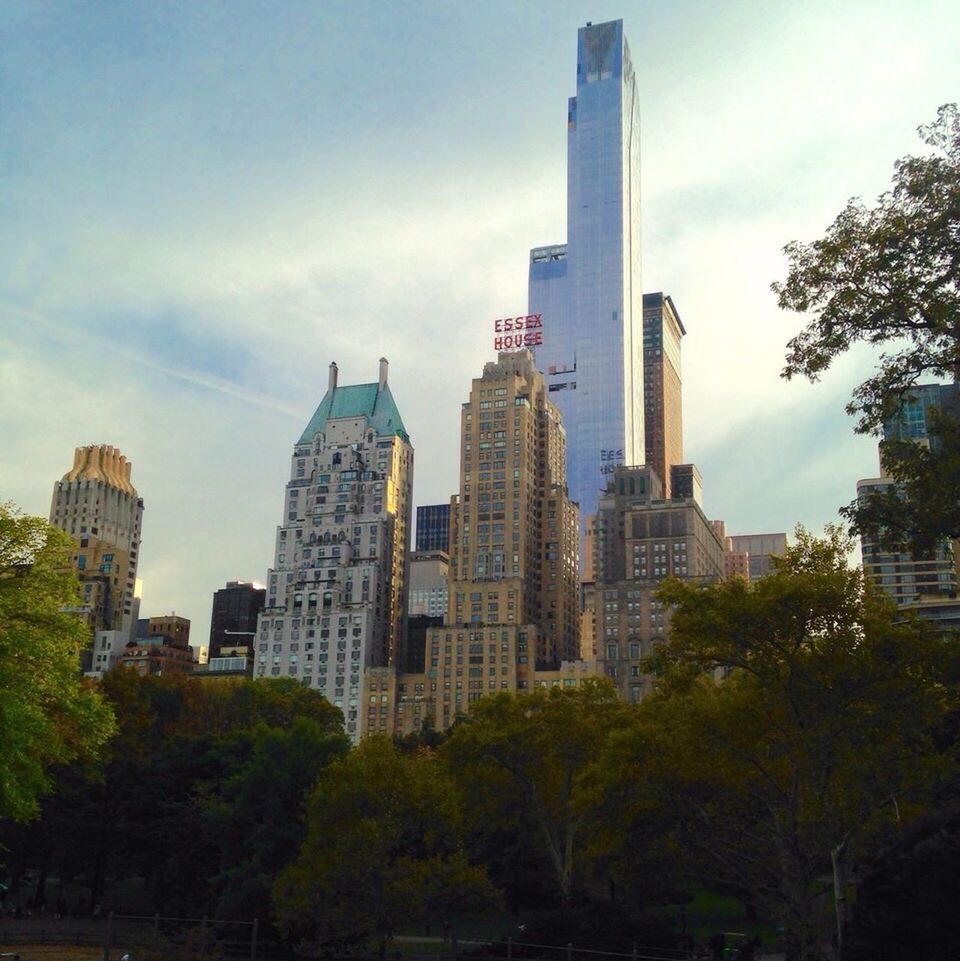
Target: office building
column 160, row 646
column 337, row 592
column 96, row 504
column 433, row 528
column 759, row 549
column 909, row 579
column 641, row 538
column 513, row 605
column 587, row 292
column 925, row 583
column 428, row 583
column 662, row 386
column 916, row 413
column 233, row 619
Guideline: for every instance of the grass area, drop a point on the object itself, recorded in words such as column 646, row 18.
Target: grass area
column 709, row 913
column 53, row 952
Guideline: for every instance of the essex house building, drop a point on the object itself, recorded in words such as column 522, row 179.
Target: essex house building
column 96, row 504
column 513, row 601
column 337, row 591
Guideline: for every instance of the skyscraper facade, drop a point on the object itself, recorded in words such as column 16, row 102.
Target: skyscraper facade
column 513, row 605
column 927, row 582
column 433, row 528
column 662, row 386
column 641, row 538
column 588, row 291
column 97, row 505
column 233, row 618
column 337, row 593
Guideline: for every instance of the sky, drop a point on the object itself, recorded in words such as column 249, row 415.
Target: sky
column 204, row 203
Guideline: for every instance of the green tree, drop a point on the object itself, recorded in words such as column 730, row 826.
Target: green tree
column 48, row 714
column 890, row 275
column 822, row 732
column 383, row 848
column 255, row 815
column 200, row 793
column 541, row 748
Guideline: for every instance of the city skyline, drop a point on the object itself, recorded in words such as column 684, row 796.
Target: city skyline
column 231, row 228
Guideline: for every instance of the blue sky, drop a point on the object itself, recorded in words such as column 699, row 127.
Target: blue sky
column 203, row 204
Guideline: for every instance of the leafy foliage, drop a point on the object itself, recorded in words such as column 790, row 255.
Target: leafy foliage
column 890, row 274
column 822, row 731
column 48, row 715
column 383, row 848
column 540, row 748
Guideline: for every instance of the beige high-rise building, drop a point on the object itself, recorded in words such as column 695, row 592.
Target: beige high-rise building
column 97, row 505
column 337, row 592
column 641, row 539
column 662, row 386
column 513, row 603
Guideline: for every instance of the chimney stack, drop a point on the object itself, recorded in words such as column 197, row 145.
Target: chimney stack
column 383, row 373
column 332, row 382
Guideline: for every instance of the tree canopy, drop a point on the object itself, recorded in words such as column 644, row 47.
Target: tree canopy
column 540, row 747
column 383, row 848
column 822, row 730
column 48, row 714
column 890, row 275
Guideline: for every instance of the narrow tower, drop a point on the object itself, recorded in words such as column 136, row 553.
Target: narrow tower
column 588, row 291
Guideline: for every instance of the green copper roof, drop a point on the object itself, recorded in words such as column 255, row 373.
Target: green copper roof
column 360, row 400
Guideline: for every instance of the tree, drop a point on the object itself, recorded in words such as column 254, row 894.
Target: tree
column 823, row 730
column 48, row 714
column 201, row 793
column 383, row 848
column 255, row 815
column 540, row 747
column 890, row 274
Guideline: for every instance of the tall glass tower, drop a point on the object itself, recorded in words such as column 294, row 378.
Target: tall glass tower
column 588, row 290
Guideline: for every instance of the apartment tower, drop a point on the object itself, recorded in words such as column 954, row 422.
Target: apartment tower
column 97, row 505
column 662, row 386
column 337, row 592
column 513, row 602
column 642, row 538
column 588, row 291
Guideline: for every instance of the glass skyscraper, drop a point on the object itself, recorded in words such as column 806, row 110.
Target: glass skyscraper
column 588, row 290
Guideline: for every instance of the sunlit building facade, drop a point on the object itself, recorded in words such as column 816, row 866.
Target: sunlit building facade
column 96, row 504
column 337, row 592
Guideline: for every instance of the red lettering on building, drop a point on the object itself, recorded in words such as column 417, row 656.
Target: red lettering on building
column 512, row 341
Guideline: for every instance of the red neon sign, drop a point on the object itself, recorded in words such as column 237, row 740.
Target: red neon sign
column 518, row 332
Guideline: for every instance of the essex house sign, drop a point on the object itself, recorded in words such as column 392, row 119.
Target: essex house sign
column 514, row 333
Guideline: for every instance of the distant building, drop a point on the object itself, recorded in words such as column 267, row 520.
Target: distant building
column 641, row 539
column 925, row 583
column 685, row 484
column 433, row 528
column 428, row 583
column 760, row 549
column 909, row 579
column 163, row 649
column 588, row 291
column 662, row 386
column 512, row 606
column 97, row 505
column 233, row 619
column 154, row 656
column 914, row 418
column 173, row 629
column 337, row 593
